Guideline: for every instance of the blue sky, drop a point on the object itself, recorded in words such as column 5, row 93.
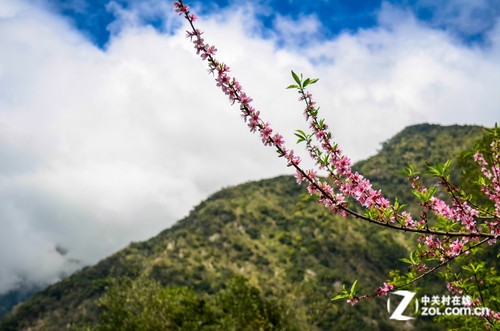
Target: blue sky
column 468, row 21
column 94, row 18
column 111, row 129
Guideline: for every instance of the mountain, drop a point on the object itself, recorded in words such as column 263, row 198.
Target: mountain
column 291, row 252
column 418, row 145
column 13, row 297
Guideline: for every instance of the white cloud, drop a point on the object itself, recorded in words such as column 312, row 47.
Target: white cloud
column 403, row 72
column 103, row 147
column 296, row 33
column 136, row 13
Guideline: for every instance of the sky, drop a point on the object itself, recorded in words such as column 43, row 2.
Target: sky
column 111, row 129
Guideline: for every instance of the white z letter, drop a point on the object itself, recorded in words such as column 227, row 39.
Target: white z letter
column 398, row 312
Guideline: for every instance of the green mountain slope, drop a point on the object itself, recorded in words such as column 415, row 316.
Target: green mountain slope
column 286, row 245
column 11, row 298
column 418, row 145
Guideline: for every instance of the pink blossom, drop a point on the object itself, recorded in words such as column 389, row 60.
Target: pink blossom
column 211, row 50
column 456, row 247
column 441, row 208
column 196, row 33
column 180, row 8
column 353, row 301
column 278, row 140
column 384, row 290
column 293, row 159
column 429, row 241
column 299, row 176
column 265, row 133
column 453, row 289
column 343, row 165
column 311, row 174
column 312, row 189
column 254, row 121
column 327, row 188
column 408, row 221
column 236, row 85
column 319, row 134
column 244, row 99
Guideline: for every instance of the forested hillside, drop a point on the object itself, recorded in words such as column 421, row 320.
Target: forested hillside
column 267, row 243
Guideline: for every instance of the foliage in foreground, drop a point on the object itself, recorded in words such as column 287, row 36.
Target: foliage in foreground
column 144, row 304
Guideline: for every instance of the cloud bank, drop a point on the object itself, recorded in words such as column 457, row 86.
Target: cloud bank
column 100, row 147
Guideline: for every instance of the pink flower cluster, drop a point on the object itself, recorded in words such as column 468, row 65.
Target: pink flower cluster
column 181, row 9
column 460, row 212
column 453, row 288
column 456, row 247
column 353, row 301
column 384, row 290
column 429, row 241
column 493, row 315
column 350, row 184
column 492, row 173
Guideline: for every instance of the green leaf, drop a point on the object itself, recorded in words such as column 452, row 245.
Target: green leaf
column 300, row 139
column 313, row 80
column 321, row 124
column 353, row 288
column 398, row 207
column 372, row 213
column 292, row 86
column 439, row 170
column 418, row 195
column 306, row 82
column 481, row 181
column 301, row 135
column 431, row 192
column 325, row 159
column 301, row 132
column 410, row 171
column 425, row 197
column 340, row 296
column 406, row 260
column 296, row 78
column 473, row 268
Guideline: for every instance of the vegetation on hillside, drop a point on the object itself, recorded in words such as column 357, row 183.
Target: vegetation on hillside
column 293, row 254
